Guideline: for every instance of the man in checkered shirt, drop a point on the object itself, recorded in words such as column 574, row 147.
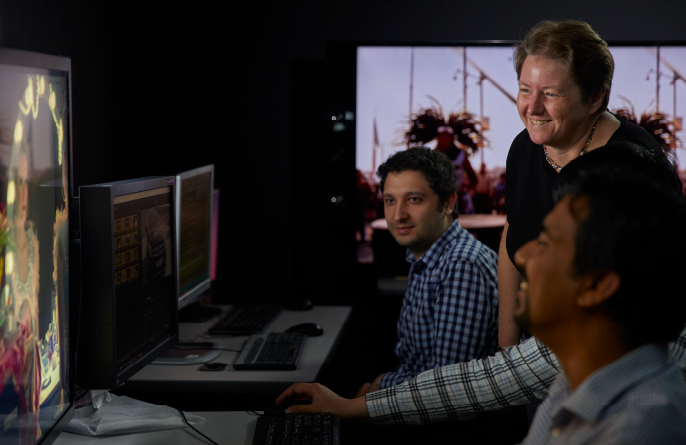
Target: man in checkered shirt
column 450, row 310
column 522, row 374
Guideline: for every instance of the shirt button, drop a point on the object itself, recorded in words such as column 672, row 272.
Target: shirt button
column 555, row 432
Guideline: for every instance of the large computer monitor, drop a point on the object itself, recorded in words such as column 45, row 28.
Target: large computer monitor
column 384, row 98
column 194, row 232
column 36, row 383
column 129, row 283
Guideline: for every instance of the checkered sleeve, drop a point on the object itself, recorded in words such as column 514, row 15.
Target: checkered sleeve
column 677, row 349
column 464, row 315
column 520, row 375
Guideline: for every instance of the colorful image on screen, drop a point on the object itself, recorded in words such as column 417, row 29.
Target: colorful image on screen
column 34, row 355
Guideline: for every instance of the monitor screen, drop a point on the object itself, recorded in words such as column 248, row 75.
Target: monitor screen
column 215, row 234
column 35, row 371
column 195, row 232
column 143, row 270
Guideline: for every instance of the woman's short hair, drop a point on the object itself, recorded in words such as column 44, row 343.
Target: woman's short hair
column 581, row 51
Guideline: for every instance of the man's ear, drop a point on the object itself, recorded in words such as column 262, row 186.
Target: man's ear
column 450, row 204
column 599, row 290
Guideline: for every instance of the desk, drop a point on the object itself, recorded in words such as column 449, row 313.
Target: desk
column 231, row 427
column 188, row 379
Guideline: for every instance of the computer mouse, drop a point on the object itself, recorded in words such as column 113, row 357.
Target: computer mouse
column 276, row 409
column 309, row 329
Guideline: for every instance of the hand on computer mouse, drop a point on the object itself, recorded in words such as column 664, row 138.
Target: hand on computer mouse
column 324, row 401
column 281, row 407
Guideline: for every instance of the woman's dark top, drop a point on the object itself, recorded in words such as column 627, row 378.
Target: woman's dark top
column 529, row 182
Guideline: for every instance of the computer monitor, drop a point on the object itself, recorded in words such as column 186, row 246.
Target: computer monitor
column 36, row 383
column 129, row 283
column 194, row 232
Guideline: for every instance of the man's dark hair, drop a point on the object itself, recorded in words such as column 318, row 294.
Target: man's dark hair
column 437, row 168
column 624, row 155
column 633, row 223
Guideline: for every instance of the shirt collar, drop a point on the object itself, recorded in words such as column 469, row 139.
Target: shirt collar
column 602, row 388
column 430, row 257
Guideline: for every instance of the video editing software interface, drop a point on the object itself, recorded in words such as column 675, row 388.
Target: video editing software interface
column 34, row 256
column 143, row 273
column 194, row 248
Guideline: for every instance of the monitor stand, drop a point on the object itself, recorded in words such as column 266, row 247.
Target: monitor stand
column 188, row 354
column 194, row 313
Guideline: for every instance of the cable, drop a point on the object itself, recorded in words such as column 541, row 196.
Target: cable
column 255, row 413
column 194, row 429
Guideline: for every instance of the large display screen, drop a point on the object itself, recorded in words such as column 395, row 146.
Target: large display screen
column 462, row 100
column 34, row 266
column 395, row 83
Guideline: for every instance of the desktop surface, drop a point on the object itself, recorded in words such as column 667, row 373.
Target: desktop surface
column 188, row 378
column 230, row 427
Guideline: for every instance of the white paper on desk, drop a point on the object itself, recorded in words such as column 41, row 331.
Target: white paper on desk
column 123, row 415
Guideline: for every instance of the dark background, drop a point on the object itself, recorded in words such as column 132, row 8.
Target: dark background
column 165, row 88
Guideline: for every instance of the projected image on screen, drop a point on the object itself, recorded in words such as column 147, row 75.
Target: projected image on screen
column 33, row 251
column 462, row 101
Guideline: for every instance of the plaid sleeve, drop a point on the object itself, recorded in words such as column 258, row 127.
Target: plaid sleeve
column 520, row 375
column 465, row 314
column 677, row 348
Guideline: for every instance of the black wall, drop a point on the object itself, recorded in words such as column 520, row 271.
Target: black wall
column 161, row 89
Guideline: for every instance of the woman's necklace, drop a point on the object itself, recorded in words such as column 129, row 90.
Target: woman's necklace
column 583, row 151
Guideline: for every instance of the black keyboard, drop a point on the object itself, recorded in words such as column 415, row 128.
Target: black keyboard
column 273, row 351
column 246, row 320
column 297, row 429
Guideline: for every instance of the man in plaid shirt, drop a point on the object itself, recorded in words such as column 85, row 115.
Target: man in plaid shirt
column 450, row 310
column 517, row 375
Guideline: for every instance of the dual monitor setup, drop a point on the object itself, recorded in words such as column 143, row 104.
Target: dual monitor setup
column 146, row 251
column 91, row 280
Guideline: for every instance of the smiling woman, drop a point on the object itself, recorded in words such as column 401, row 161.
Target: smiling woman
column 564, row 70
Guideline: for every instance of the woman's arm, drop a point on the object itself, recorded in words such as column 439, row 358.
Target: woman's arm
column 508, row 282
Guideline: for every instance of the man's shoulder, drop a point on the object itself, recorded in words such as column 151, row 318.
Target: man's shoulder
column 653, row 411
column 663, row 388
column 466, row 249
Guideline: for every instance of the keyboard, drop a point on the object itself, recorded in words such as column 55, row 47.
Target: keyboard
column 246, row 320
column 273, row 351
column 297, row 429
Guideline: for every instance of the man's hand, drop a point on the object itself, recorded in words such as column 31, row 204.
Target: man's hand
column 323, row 401
column 370, row 387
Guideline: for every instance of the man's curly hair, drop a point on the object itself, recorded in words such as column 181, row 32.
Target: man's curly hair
column 437, row 168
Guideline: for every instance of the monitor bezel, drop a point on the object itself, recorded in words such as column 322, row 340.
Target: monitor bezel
column 194, row 294
column 29, row 59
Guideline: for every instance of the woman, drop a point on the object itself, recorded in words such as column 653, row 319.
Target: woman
column 565, row 75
